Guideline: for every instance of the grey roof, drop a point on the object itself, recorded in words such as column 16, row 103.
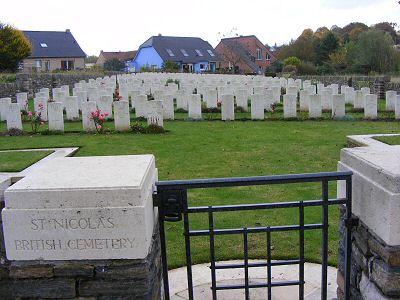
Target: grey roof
column 175, row 44
column 242, row 52
column 59, row 44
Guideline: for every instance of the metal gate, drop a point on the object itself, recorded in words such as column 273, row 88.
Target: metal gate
column 171, row 199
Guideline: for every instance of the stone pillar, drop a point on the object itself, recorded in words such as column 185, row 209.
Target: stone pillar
column 72, row 233
column 375, row 261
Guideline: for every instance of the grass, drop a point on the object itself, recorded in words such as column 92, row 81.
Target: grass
column 17, row 161
column 391, row 140
column 227, row 149
column 7, row 77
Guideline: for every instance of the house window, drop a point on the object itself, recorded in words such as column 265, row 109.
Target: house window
column 202, row 67
column 259, row 54
column 169, row 51
column 268, row 57
column 199, row 52
column 67, row 65
column 38, row 64
column 43, row 45
column 184, row 52
column 210, row 52
column 47, row 65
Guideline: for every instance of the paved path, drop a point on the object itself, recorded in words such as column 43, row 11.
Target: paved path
column 202, row 282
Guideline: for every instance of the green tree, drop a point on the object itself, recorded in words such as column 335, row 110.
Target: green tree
column 327, row 45
column 170, row 66
column 293, row 61
column 388, row 28
column 375, row 51
column 92, row 59
column 114, row 65
column 14, row 47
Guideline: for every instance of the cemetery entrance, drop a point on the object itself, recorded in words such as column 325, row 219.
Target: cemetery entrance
column 171, row 199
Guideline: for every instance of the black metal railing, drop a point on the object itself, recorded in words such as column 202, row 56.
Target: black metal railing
column 171, row 199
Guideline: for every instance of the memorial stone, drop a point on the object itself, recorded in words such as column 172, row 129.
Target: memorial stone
column 40, row 105
column 304, row 100
column 315, row 108
column 242, row 99
column 338, row 106
column 105, row 106
column 87, row 122
column 168, row 107
column 155, row 113
column 194, row 107
column 141, row 106
column 121, row 115
column 227, row 108
column 56, row 116
column 257, row 103
column 4, row 103
column 14, row 117
column 390, row 100
column 289, row 106
column 72, row 108
column 22, row 100
column 371, row 106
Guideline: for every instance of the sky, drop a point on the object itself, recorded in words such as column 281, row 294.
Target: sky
column 123, row 25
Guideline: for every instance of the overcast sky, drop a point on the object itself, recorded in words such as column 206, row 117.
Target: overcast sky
column 124, row 25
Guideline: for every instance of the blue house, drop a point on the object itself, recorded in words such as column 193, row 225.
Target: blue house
column 190, row 53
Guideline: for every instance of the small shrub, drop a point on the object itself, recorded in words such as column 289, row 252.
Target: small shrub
column 14, row 132
column 154, row 129
column 210, row 110
column 138, row 128
column 181, row 110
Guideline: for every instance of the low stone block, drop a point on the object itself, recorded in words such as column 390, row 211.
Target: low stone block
column 31, row 271
column 387, row 279
column 111, row 287
column 71, row 269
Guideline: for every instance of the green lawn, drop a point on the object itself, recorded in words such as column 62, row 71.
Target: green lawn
column 225, row 149
column 17, row 161
column 391, row 140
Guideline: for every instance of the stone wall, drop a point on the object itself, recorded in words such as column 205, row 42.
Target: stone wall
column 375, row 266
column 9, row 89
column 83, row 279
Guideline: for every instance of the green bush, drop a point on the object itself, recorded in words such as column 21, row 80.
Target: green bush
column 306, row 68
column 292, row 61
column 138, row 128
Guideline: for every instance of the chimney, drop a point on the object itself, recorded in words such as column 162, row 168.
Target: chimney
column 67, row 31
column 159, row 34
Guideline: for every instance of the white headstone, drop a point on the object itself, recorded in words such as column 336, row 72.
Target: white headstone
column 72, row 108
column 14, row 116
column 257, row 107
column 122, row 119
column 194, row 106
column 358, row 100
column 105, row 105
column 182, row 99
column 315, row 108
column 338, row 106
column 141, row 106
column 40, row 106
column 87, row 122
column 390, row 100
column 56, row 116
column 82, row 97
column 289, row 106
column 304, row 100
column 4, row 103
column 371, row 106
column 210, row 96
column 155, row 113
column 227, row 108
column 242, row 99
column 349, row 95
column 168, row 107
column 22, row 100
column 397, row 108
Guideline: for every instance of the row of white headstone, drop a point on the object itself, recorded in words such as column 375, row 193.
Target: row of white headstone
column 261, row 91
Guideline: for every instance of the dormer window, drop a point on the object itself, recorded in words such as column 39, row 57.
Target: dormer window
column 43, row 45
column 210, row 52
column 169, row 51
column 268, row 57
column 198, row 52
column 184, row 52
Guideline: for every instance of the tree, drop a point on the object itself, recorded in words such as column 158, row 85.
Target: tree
column 328, row 44
column 170, row 66
column 92, row 59
column 14, row 47
column 114, row 65
column 375, row 51
column 388, row 28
